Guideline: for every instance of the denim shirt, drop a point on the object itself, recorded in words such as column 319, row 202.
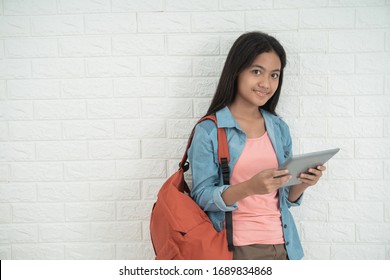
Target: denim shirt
column 207, row 181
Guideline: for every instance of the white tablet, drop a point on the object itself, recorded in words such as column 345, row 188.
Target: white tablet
column 301, row 163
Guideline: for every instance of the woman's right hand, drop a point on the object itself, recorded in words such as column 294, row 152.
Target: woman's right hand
column 268, row 181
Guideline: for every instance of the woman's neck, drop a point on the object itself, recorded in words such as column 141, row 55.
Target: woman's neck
column 245, row 112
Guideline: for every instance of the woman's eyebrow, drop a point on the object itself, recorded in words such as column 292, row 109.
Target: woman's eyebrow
column 262, row 67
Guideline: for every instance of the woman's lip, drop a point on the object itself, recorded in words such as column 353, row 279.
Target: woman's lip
column 260, row 93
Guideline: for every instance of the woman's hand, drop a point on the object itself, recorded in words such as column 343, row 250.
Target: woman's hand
column 268, row 181
column 311, row 178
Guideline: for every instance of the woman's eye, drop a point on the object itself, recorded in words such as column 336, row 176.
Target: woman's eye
column 256, row 72
column 275, row 76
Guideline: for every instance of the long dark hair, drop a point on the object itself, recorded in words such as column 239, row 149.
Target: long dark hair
column 241, row 55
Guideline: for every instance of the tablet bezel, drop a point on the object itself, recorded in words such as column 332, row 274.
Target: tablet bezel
column 301, row 163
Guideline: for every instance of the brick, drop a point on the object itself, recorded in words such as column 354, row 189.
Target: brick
column 373, row 63
column 166, row 66
column 5, row 213
column 110, row 23
column 4, row 131
column 138, row 44
column 355, row 3
column 247, row 5
column 30, row 47
column 325, row 106
column 193, row 45
column 373, row 233
column 58, row 68
column 5, row 252
column 64, row 232
column 372, row 148
column 139, row 87
column 303, row 41
column 150, row 189
column 2, row 90
column 63, row 191
column 133, row 210
column 37, row 213
column 137, row 5
column 118, row 149
column 139, row 129
column 327, row 18
column 18, row 192
column 373, row 17
column 61, row 109
column 15, row 26
column 163, row 22
column 88, row 251
column 357, row 252
column 179, row 129
column 36, row 171
column 116, row 232
column 90, row 211
column 111, row 67
column 218, row 22
column 358, row 169
column 201, row 106
column 278, row 19
column 89, row 170
column 328, row 232
column 113, row 108
column 191, row 87
column 208, row 66
column 356, row 41
column 135, row 251
column 352, row 127
column 15, row 69
column 355, row 85
column 16, row 110
column 315, row 251
column 139, row 169
column 307, row 127
column 86, row 88
column 312, row 211
column 31, row 7
column 347, row 146
column 381, row 107
column 54, row 25
column 325, row 64
column 61, row 150
column 84, row 6
column 289, row 106
column 306, row 85
column 163, row 149
column 356, row 211
column 299, row 3
column 166, row 108
column 17, row 151
column 40, row 251
column 4, row 173
column 372, row 190
column 331, row 190
column 82, row 130
column 115, row 190
column 82, row 46
column 33, row 89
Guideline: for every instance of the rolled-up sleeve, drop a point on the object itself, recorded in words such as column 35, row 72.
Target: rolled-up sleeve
column 206, row 180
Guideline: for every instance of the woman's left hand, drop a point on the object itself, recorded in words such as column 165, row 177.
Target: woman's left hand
column 311, row 178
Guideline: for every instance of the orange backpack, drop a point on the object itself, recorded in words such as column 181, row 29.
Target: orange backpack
column 179, row 228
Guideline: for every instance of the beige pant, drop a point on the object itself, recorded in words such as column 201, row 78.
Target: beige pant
column 260, row 252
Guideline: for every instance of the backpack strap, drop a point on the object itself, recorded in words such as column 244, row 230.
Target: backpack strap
column 223, row 159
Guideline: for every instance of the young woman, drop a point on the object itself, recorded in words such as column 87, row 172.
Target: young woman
column 259, row 141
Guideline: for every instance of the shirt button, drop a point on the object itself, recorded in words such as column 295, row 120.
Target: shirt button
column 285, row 226
column 287, row 243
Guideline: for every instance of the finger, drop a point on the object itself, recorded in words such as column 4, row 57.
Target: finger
column 321, row 168
column 307, row 176
column 282, row 180
column 315, row 171
column 280, row 173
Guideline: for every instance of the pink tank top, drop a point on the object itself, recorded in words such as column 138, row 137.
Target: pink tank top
column 257, row 220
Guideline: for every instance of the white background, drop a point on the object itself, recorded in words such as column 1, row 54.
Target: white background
column 97, row 98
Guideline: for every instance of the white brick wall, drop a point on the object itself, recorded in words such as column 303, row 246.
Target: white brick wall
column 97, row 98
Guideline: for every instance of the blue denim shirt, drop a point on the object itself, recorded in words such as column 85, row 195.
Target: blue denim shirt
column 207, row 181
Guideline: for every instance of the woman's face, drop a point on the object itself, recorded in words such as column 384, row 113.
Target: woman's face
column 258, row 83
